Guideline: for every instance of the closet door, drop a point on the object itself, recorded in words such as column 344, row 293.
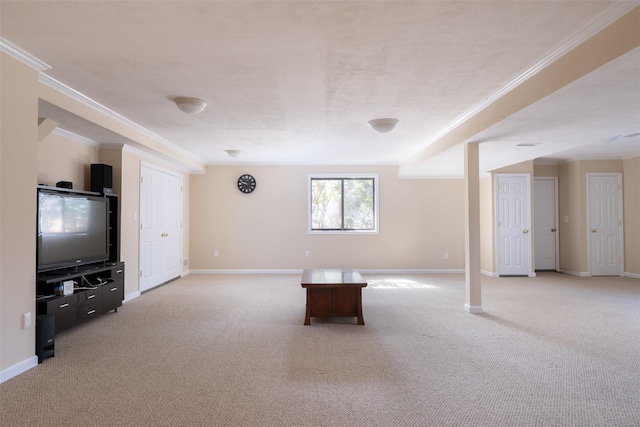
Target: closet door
column 513, row 225
column 544, row 219
column 160, row 227
column 604, row 218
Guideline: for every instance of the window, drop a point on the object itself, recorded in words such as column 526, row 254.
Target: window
column 343, row 203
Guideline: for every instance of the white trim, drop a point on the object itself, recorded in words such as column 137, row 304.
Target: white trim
column 528, row 220
column 413, row 271
column 615, row 12
column 489, row 273
column 131, row 296
column 85, row 100
column 299, row 271
column 151, row 157
column 76, row 137
column 473, row 309
column 376, row 202
column 247, row 271
column 18, row 368
column 575, row 273
column 618, row 175
column 22, row 55
column 632, row 275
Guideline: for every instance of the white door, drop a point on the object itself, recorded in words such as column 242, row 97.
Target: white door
column 544, row 223
column 513, row 225
column 160, row 227
column 604, row 219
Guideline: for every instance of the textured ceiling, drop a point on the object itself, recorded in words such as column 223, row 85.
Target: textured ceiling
column 296, row 82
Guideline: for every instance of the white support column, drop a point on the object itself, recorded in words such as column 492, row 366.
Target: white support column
column 473, row 302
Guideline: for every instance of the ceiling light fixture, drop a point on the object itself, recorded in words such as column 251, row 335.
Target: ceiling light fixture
column 190, row 105
column 233, row 153
column 383, row 125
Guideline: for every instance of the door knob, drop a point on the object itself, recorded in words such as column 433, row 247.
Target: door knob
column 525, row 231
column 593, row 230
column 553, row 230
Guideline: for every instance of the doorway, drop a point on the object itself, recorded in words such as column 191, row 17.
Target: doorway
column 513, row 225
column 545, row 223
column 160, row 226
column 604, row 224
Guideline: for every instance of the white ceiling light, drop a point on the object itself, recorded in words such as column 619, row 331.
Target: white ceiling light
column 383, row 125
column 233, row 153
column 190, row 105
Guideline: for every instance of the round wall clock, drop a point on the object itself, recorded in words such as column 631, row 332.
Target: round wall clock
column 246, row 183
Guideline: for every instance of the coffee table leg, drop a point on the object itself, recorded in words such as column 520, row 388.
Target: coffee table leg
column 307, row 318
column 360, row 317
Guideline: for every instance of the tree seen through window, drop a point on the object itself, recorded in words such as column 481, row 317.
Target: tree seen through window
column 343, row 204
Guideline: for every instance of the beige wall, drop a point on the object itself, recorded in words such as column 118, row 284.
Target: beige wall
column 129, row 221
column 572, row 219
column 18, row 173
column 546, row 171
column 63, row 159
column 572, row 194
column 419, row 221
column 631, row 212
column 487, row 221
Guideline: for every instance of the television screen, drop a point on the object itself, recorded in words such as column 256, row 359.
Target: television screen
column 73, row 229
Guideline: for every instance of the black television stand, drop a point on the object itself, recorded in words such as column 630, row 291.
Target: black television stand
column 98, row 289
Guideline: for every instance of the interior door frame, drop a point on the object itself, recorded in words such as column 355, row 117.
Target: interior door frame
column 618, row 175
column 528, row 219
column 556, row 217
column 160, row 169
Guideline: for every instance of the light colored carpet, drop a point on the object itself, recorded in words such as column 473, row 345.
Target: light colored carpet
column 231, row 350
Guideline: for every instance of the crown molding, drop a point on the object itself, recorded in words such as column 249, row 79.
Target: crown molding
column 85, row 100
column 615, row 12
column 76, row 137
column 179, row 167
column 22, row 55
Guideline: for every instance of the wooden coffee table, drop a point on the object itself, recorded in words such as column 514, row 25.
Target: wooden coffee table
column 333, row 293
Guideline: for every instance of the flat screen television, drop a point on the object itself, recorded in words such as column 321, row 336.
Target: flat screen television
column 73, row 229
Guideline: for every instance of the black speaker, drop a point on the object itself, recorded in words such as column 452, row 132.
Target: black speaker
column 64, row 184
column 101, row 178
column 45, row 336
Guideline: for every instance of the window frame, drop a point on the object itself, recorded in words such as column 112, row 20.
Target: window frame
column 343, row 176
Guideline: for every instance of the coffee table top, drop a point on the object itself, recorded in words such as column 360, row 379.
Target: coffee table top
column 332, row 277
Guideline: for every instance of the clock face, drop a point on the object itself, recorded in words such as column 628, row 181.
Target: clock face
column 246, row 183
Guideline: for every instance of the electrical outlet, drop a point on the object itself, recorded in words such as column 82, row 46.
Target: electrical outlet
column 26, row 320
column 446, row 255
column 215, row 253
column 306, row 253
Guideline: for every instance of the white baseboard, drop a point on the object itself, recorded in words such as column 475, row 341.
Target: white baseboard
column 634, row 275
column 415, row 271
column 488, row 273
column 473, row 309
column 18, row 368
column 575, row 273
column 248, row 271
column 131, row 296
column 365, row 271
